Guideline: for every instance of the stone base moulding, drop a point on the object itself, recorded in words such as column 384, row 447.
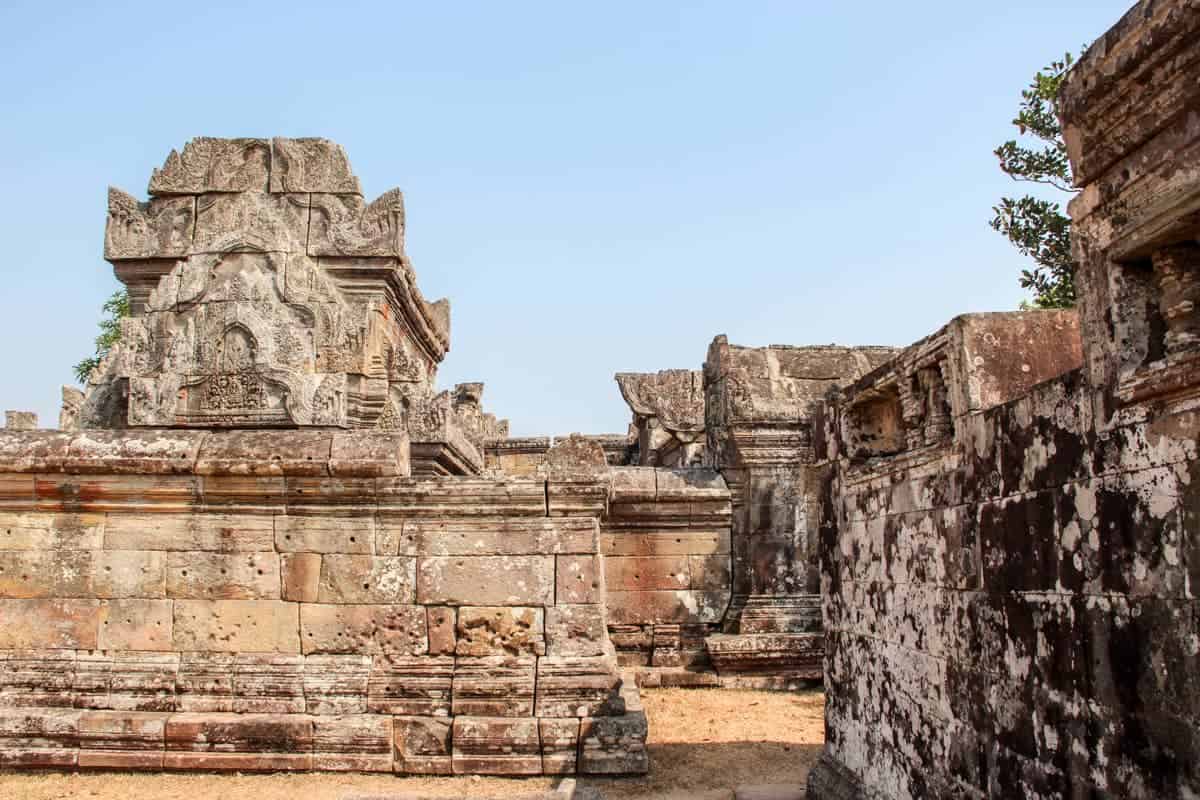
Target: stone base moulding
column 105, row 739
column 767, row 660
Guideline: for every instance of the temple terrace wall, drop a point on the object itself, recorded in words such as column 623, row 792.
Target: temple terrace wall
column 1010, row 594
column 293, row 600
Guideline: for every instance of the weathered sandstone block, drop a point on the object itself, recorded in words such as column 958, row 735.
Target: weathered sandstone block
column 443, row 627
column 214, row 165
column 385, row 629
column 121, row 739
column 487, row 580
column 325, row 534
column 205, row 681
column 136, row 625
column 336, row 684
column 222, row 533
column 613, row 745
column 268, row 684
column 560, row 745
column 500, row 630
column 37, row 678
column 33, row 531
column 344, row 225
column 494, row 686
column 38, row 624
column 577, row 687
column 501, row 537
column 577, row 579
column 126, row 680
column 367, row 579
column 20, row 421
column 310, row 165
column 39, row 737
column 422, row 746
column 251, row 626
column 238, row 741
column 300, row 574
column 213, row 576
column 496, row 746
column 358, row 743
column 575, row 630
column 411, row 686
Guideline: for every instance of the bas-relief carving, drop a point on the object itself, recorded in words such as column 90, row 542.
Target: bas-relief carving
column 343, row 225
column 208, row 164
column 264, row 221
column 311, row 165
column 161, row 227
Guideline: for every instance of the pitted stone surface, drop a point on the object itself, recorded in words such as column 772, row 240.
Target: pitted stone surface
column 1007, row 592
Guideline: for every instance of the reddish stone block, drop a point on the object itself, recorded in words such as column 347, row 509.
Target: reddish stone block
column 422, row 745
column 496, row 746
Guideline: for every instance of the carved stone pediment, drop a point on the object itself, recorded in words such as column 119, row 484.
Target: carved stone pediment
column 280, row 298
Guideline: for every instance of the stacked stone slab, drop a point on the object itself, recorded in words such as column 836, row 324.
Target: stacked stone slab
column 238, row 563
column 665, row 542
column 1011, row 602
column 526, row 455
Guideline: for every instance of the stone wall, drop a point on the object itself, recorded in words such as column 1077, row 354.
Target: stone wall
column 665, row 542
column 1010, row 598
column 293, row 600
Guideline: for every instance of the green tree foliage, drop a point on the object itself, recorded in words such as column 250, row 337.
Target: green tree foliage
column 115, row 309
column 1037, row 227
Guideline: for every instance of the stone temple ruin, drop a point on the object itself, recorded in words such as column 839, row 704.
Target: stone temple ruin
column 262, row 539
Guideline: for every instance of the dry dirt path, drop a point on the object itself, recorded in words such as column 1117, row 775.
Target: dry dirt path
column 703, row 742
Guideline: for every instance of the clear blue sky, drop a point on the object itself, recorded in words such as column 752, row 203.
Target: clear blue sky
column 596, row 187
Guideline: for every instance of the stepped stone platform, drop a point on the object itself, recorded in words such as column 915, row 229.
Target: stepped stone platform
column 295, row 600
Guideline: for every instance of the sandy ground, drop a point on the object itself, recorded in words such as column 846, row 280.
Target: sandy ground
column 703, row 742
